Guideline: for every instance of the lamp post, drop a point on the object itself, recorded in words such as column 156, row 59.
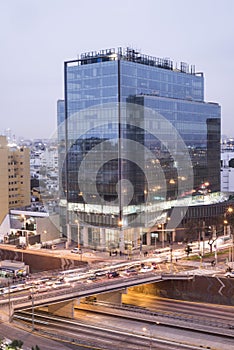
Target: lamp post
column 230, row 211
column 163, row 235
column 225, row 223
column 25, row 231
column 145, row 329
column 232, row 248
column 78, row 238
column 45, row 232
column 9, row 298
column 121, row 236
column 78, row 233
column 171, row 250
column 150, row 335
column 32, row 298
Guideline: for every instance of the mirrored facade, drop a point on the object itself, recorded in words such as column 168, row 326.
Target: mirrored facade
column 119, row 155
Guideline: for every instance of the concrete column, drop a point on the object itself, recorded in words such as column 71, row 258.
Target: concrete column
column 102, row 238
column 6, row 311
column 214, row 231
column 68, row 234
column 76, row 302
column 203, row 230
column 148, row 238
column 135, row 236
column 111, row 297
column 65, row 309
column 85, row 236
column 121, row 240
column 162, row 234
column 173, row 235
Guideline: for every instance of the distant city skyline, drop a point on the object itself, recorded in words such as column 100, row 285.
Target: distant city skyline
column 37, row 37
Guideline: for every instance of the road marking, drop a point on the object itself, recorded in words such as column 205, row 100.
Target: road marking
column 222, row 286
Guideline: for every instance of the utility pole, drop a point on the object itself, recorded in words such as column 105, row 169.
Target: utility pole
column 9, row 299
column 32, row 297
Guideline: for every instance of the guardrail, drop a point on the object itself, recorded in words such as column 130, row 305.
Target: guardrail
column 184, row 276
column 84, row 290
column 173, row 316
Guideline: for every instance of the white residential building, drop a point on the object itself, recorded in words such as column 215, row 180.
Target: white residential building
column 227, row 171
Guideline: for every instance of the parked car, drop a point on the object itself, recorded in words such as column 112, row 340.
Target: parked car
column 21, row 246
column 76, row 251
column 229, row 274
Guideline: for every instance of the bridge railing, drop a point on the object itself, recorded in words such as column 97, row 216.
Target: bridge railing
column 84, row 289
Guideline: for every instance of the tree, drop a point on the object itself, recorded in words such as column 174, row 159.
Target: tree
column 17, row 343
column 192, row 230
column 14, row 345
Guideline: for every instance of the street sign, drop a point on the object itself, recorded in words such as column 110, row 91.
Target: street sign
column 153, row 234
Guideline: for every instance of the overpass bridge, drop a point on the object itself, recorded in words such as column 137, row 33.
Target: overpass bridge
column 62, row 301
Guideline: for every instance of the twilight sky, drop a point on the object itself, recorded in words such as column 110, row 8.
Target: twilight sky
column 37, row 36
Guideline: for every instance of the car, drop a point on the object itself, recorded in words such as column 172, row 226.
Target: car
column 146, row 268
column 21, row 246
column 92, row 278
column 100, row 273
column 59, row 284
column 154, row 266
column 130, row 272
column 229, row 274
column 112, row 274
column 76, row 251
column 41, row 289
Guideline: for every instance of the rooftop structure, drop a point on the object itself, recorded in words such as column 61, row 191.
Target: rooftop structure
column 132, row 55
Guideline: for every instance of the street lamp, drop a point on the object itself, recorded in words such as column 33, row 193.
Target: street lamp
column 78, row 233
column 230, row 211
column 121, row 236
column 163, row 234
column 145, row 329
column 9, row 298
column 78, row 238
column 225, row 222
column 232, row 248
column 25, row 229
column 32, row 298
column 150, row 335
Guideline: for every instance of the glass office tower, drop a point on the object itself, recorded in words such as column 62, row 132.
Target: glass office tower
column 119, row 127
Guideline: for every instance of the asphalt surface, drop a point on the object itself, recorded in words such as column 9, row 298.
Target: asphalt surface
column 29, row 339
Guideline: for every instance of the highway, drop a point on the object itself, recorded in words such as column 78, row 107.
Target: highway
column 150, row 322
column 102, row 331
column 190, row 311
column 211, row 319
column 31, row 339
column 157, row 323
